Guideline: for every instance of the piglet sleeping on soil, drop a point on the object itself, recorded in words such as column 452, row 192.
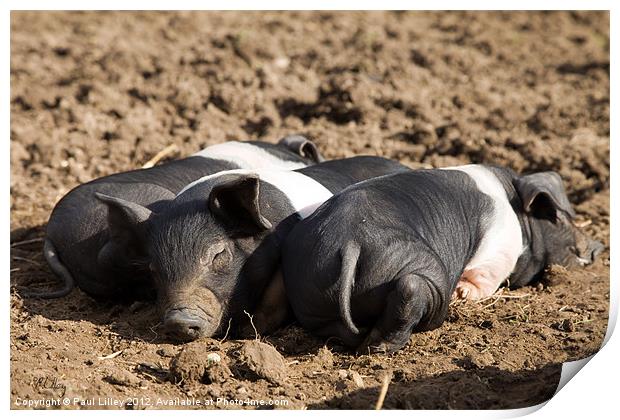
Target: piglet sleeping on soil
column 384, row 257
column 87, row 245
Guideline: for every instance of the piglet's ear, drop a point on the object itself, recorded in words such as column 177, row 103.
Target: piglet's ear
column 303, row 147
column 235, row 200
column 124, row 217
column 543, row 194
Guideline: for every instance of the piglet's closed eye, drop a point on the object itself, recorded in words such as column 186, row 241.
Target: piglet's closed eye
column 543, row 195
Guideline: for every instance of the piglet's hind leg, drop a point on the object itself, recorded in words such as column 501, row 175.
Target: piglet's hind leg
column 337, row 329
column 405, row 307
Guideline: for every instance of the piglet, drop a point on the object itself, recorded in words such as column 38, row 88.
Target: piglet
column 384, row 257
column 108, row 262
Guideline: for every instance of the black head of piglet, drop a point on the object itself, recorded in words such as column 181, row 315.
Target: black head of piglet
column 548, row 221
column 210, row 251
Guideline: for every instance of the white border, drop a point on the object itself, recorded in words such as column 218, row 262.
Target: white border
column 313, row 5
column 593, row 394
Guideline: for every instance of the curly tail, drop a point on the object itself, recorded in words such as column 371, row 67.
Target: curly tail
column 49, row 251
column 349, row 254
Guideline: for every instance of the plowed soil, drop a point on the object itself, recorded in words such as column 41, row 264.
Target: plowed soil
column 97, row 93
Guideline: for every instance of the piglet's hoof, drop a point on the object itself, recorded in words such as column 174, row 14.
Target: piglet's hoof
column 374, row 343
column 251, row 329
column 475, row 284
column 247, row 332
column 462, row 290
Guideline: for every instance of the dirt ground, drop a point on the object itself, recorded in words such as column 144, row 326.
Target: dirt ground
column 97, row 93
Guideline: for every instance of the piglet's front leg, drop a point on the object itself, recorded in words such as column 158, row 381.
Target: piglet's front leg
column 272, row 310
column 476, row 284
column 486, row 272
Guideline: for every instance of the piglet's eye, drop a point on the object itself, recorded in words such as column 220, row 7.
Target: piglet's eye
column 221, row 260
column 217, row 259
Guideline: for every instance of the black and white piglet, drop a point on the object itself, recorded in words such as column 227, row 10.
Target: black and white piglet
column 215, row 249
column 81, row 249
column 384, row 257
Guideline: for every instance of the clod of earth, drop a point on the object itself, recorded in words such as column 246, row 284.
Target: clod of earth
column 122, row 378
column 195, row 364
column 324, row 358
column 263, row 360
column 353, row 376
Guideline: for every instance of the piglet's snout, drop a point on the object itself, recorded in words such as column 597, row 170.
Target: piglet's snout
column 191, row 313
column 587, row 249
column 186, row 325
column 594, row 248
